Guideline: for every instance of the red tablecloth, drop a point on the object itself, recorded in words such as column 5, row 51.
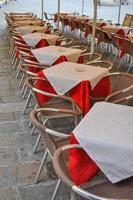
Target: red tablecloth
column 42, row 43
column 121, row 42
column 81, row 167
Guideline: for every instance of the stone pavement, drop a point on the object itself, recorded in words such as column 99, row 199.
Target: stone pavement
column 18, row 166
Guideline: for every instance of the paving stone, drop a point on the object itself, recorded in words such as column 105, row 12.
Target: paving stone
column 6, row 92
column 7, row 117
column 41, row 192
column 8, row 139
column 19, row 116
column 8, row 155
column 24, row 173
column 8, row 193
column 4, row 70
column 27, row 155
column 5, row 173
column 4, row 88
column 11, row 99
column 4, row 82
column 37, row 191
column 11, row 107
column 13, row 127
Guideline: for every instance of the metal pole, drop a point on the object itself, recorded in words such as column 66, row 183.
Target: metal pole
column 82, row 11
column 94, row 26
column 42, row 9
column 119, row 12
column 58, row 12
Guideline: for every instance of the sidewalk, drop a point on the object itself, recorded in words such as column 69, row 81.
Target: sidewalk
column 18, row 166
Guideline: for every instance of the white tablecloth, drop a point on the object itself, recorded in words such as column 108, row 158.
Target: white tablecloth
column 33, row 38
column 115, row 29
column 48, row 55
column 106, row 134
column 20, row 18
column 64, row 76
column 27, row 22
column 29, row 29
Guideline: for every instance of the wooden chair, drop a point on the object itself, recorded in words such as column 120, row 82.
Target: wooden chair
column 99, row 188
column 128, row 46
column 29, row 69
column 84, row 48
column 117, row 42
column 124, row 96
column 118, row 81
column 102, row 63
column 90, row 57
column 55, row 126
column 64, row 42
column 104, row 40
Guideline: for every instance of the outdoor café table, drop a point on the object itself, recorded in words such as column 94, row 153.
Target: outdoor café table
column 122, row 30
column 60, row 15
column 82, row 18
column 76, row 79
column 71, row 16
column 27, row 22
column 99, row 23
column 51, row 55
column 88, row 26
column 106, row 135
column 23, row 18
column 130, row 36
column 30, row 29
column 21, row 14
column 40, row 39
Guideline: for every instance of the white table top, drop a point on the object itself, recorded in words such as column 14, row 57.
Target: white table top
column 30, row 28
column 106, row 134
column 48, row 55
column 33, row 38
column 20, row 18
column 27, row 22
column 114, row 28
column 64, row 76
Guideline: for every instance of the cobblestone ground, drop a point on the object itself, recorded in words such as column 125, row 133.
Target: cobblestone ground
column 18, row 166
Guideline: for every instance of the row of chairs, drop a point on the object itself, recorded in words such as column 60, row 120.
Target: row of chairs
column 118, row 47
column 60, row 108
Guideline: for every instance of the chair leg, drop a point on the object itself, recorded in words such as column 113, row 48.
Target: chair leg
column 18, row 72
column 15, row 64
column 37, row 142
column 21, row 80
column 30, row 123
column 22, row 89
column 25, row 91
column 41, row 166
column 33, row 129
column 120, row 63
column 27, row 102
column 13, row 57
column 58, row 184
column 129, row 67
